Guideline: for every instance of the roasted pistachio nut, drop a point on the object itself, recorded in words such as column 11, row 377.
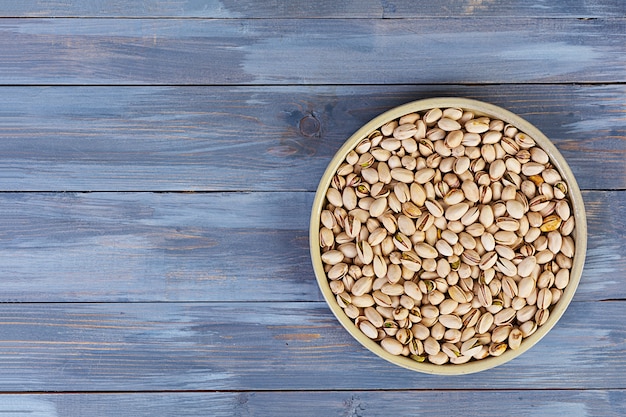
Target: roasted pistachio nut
column 447, row 237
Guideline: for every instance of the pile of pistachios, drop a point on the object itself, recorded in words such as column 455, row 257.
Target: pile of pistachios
column 446, row 236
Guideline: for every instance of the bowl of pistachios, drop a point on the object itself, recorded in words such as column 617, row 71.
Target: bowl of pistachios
column 448, row 235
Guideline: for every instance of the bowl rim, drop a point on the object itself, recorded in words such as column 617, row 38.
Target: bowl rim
column 479, row 108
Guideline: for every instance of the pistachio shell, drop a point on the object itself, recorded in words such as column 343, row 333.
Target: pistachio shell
column 562, row 278
column 508, row 223
column 542, row 316
column 515, row 209
column 515, row 339
column 544, row 298
column 451, row 321
column 432, row 115
column 526, row 267
column 365, row 300
column 362, row 286
column 506, row 267
column 454, row 196
column 528, row 328
column 332, row 257
column 525, row 287
column 405, row 131
column 424, row 175
column 434, row 208
column 550, row 223
column 402, row 174
column 562, row 209
column 504, row 316
column 424, row 250
column 476, row 126
column 378, row 207
column 488, row 260
column 497, row 169
column 470, row 257
column 484, row 295
column 392, row 345
column 455, row 212
column 532, row 168
column 448, row 125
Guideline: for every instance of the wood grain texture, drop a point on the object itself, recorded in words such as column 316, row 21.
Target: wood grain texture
column 401, row 403
column 129, row 247
column 269, row 346
column 276, row 138
column 305, row 9
column 311, row 51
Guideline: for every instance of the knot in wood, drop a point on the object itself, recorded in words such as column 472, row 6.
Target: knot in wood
column 309, row 126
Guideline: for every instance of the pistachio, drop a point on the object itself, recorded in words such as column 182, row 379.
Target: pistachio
column 456, row 211
column 471, row 347
column 402, row 174
column 378, row 207
column 497, row 169
column 439, row 358
column 451, row 321
column 515, row 209
column 368, row 329
column 528, row 328
column 457, row 294
column 476, row 126
column 508, row 223
column 484, row 323
column 544, row 298
column 526, row 313
column 509, row 287
column 392, row 345
column 541, row 317
column 484, row 295
column 432, row 115
column 365, row 300
column 561, row 279
column 488, row 260
column 552, row 222
column 404, row 131
column 362, row 285
column 562, row 209
column 424, row 175
column 424, row 250
column 442, row 224
column 332, row 257
column 504, row 316
column 471, row 257
column 497, row 349
column 525, row 286
column 506, row 267
column 567, row 227
column 527, row 265
column 500, row 333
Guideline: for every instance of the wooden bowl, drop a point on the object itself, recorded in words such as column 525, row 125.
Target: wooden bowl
column 579, row 234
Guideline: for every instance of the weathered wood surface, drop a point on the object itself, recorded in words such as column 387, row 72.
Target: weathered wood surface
column 400, row 403
column 277, row 138
column 125, row 247
column 269, row 346
column 319, row 9
column 157, row 166
column 311, row 51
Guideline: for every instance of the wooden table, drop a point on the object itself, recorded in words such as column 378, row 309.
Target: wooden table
column 158, row 161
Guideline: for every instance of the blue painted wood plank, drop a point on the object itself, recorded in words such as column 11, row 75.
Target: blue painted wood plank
column 269, row 346
column 311, row 51
column 129, row 247
column 260, row 138
column 546, row 403
column 319, row 9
